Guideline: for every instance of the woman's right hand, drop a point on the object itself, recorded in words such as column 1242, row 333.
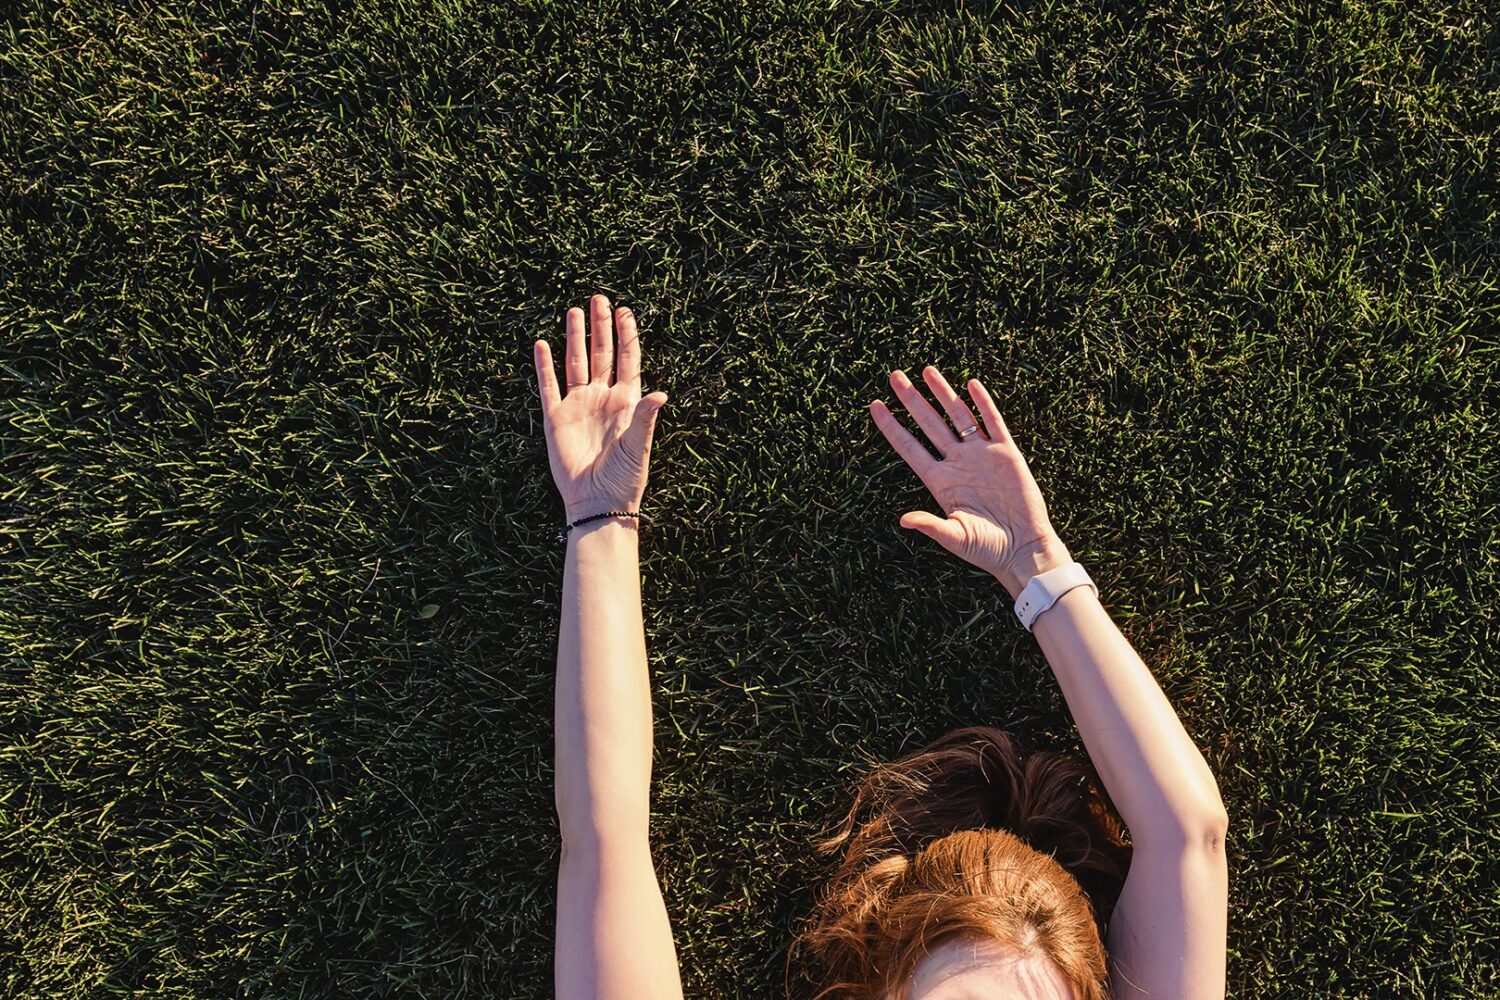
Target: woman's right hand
column 996, row 518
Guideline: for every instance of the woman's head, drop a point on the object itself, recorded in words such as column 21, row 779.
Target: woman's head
column 966, row 864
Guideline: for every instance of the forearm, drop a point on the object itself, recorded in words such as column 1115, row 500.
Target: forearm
column 1154, row 774
column 603, row 701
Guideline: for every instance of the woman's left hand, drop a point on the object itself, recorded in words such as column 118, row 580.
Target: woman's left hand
column 599, row 436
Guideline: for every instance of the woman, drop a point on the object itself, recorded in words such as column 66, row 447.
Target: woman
column 967, row 869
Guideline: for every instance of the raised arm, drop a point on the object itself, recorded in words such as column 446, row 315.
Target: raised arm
column 613, row 938
column 1167, row 934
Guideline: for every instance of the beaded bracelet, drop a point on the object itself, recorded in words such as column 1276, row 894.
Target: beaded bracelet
column 562, row 536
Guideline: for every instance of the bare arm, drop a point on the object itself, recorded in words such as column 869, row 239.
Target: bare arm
column 613, row 937
column 1167, row 935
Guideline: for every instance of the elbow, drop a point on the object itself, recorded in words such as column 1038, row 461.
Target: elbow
column 1207, row 826
column 590, row 833
column 1212, row 828
column 1202, row 828
column 1204, row 820
column 582, row 850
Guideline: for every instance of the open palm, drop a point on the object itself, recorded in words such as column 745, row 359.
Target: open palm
column 599, row 435
column 996, row 517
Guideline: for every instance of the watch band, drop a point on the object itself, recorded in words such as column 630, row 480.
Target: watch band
column 1043, row 590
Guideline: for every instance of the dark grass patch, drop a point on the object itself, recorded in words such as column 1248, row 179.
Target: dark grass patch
column 276, row 530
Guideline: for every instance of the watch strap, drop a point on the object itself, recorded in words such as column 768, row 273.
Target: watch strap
column 1043, row 590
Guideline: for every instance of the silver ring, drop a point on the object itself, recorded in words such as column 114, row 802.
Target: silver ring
column 963, row 435
column 573, row 385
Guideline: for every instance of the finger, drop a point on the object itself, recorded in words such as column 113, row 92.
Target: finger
column 901, row 439
column 643, row 424
column 628, row 354
column 933, row 425
column 957, row 409
column 546, row 376
column 576, row 362
column 993, row 422
column 601, row 339
column 944, row 530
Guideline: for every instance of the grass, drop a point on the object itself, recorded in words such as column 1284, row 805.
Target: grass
column 278, row 575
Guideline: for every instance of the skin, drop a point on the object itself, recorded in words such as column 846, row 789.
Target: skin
column 613, row 938
column 1167, row 936
column 967, row 968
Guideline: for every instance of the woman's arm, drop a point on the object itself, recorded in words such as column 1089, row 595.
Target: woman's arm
column 1167, row 935
column 613, row 938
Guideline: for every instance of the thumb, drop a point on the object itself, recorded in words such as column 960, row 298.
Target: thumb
column 944, row 530
column 643, row 423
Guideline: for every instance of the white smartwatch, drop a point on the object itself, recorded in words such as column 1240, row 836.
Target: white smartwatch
column 1043, row 590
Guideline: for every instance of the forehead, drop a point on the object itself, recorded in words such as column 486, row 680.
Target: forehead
column 969, row 968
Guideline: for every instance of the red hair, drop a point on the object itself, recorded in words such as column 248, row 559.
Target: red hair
column 968, row 836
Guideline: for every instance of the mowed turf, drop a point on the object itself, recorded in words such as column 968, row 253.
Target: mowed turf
column 279, row 580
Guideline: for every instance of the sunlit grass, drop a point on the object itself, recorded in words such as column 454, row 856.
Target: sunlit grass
column 278, row 571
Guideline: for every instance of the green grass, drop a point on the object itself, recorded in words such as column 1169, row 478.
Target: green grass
column 268, row 281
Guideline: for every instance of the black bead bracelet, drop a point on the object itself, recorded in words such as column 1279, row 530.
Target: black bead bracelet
column 562, row 536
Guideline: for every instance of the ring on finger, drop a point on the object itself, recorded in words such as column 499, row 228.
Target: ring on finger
column 963, row 435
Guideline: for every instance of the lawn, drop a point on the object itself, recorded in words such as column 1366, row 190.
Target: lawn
column 279, row 579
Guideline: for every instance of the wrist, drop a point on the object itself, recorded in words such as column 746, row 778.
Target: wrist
column 576, row 509
column 1057, row 619
column 610, row 531
column 1038, row 557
